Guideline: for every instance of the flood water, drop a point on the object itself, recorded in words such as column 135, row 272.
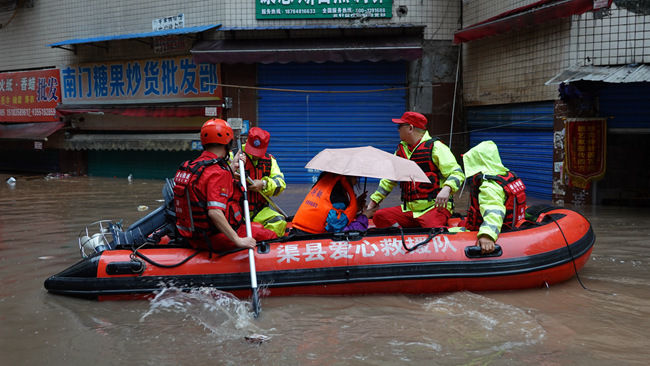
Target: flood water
column 607, row 324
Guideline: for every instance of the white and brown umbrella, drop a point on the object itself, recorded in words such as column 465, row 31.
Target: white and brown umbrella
column 367, row 161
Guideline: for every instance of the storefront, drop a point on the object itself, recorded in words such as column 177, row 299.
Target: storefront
column 28, row 121
column 136, row 110
column 138, row 117
column 334, row 82
column 615, row 153
column 317, row 87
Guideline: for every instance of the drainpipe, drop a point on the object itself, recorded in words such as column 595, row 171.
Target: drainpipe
column 453, row 106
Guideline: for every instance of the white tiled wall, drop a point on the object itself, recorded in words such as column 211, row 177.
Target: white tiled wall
column 23, row 41
column 513, row 67
column 440, row 16
column 620, row 38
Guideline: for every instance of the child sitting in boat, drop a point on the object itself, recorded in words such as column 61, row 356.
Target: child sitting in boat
column 331, row 206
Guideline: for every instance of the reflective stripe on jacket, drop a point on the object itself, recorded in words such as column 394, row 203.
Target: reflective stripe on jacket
column 442, row 158
column 267, row 170
column 486, row 214
column 488, row 195
column 190, row 204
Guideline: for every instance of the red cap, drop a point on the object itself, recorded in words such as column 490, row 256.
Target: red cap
column 414, row 119
column 257, row 142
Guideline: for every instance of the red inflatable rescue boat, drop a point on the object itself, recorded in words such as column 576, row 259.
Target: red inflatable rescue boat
column 548, row 249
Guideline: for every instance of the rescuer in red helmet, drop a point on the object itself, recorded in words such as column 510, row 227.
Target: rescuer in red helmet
column 208, row 200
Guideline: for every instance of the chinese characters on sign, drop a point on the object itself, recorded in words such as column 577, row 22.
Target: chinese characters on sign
column 29, row 96
column 140, row 81
column 312, row 9
column 173, row 22
column 335, row 250
column 601, row 4
column 585, row 150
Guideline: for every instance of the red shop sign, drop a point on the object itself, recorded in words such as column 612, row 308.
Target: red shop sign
column 29, row 96
column 585, row 149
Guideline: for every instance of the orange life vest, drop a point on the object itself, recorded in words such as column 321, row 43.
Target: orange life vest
column 312, row 213
column 263, row 168
column 422, row 157
column 515, row 200
column 190, row 204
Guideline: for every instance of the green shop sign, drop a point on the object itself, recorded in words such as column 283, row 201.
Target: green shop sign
column 319, row 9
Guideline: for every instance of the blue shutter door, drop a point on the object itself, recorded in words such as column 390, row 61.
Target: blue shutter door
column 303, row 124
column 524, row 136
column 628, row 103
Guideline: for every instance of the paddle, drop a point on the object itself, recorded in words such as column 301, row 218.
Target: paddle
column 270, row 201
column 251, row 253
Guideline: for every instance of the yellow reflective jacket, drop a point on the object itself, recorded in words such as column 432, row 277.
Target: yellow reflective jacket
column 484, row 159
column 275, row 183
column 445, row 161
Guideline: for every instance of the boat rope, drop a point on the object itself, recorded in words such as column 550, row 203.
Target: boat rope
column 573, row 260
column 432, row 233
column 152, row 262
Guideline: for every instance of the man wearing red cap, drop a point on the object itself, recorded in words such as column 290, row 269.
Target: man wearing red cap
column 424, row 204
column 267, row 179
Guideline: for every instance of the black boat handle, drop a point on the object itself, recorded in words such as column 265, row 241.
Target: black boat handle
column 122, row 268
column 474, row 251
column 263, row 247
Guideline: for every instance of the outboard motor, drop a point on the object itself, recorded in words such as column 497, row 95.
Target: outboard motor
column 158, row 223
column 90, row 244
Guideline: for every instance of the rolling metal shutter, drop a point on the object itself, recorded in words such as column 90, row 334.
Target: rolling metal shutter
column 142, row 164
column 628, row 104
column 302, row 124
column 524, row 135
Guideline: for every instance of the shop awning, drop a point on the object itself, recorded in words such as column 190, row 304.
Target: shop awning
column 635, row 73
column 265, row 51
column 137, row 111
column 532, row 14
column 133, row 141
column 161, row 33
column 29, row 131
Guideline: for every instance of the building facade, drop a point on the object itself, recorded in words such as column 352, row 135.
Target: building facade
column 137, row 79
column 562, row 88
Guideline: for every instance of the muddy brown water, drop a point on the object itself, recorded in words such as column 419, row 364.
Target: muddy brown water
column 608, row 324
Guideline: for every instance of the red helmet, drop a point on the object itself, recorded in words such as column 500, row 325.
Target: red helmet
column 216, row 131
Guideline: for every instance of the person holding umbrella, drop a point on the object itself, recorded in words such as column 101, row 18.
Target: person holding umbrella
column 424, row 204
column 332, row 205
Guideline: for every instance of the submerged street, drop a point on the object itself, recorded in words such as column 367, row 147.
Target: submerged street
column 40, row 218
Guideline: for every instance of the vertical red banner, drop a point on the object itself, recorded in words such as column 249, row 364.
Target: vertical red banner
column 585, row 149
